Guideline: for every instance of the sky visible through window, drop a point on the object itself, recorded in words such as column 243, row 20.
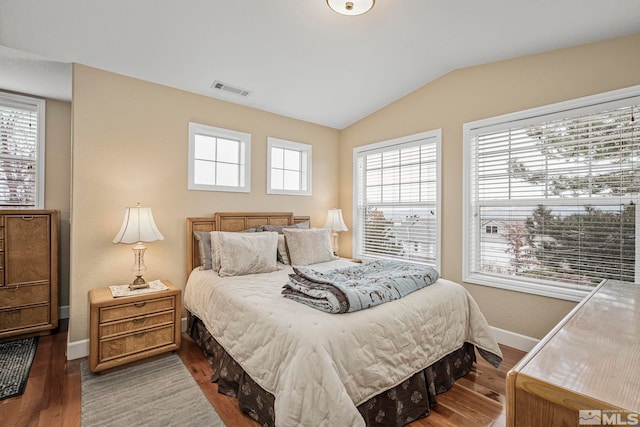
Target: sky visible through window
column 217, row 161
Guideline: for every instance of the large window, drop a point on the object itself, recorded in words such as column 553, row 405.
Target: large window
column 22, row 129
column 288, row 167
column 397, row 199
column 219, row 159
column 551, row 196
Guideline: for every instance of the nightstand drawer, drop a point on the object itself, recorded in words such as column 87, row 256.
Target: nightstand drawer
column 137, row 342
column 136, row 309
column 13, row 296
column 137, row 323
column 23, row 317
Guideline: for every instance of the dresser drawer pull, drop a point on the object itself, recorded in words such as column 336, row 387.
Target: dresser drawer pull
column 139, row 304
column 13, row 310
column 139, row 319
column 13, row 289
column 139, row 334
column 27, row 217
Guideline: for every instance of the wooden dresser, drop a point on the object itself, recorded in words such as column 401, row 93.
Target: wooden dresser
column 590, row 361
column 28, row 272
column 126, row 329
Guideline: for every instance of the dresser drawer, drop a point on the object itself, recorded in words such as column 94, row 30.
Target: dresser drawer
column 136, row 342
column 137, row 309
column 13, row 318
column 135, row 324
column 13, row 296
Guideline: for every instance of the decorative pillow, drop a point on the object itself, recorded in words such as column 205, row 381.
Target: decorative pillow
column 309, row 246
column 278, row 228
column 215, row 250
column 204, row 248
column 282, row 250
column 242, row 253
column 304, row 225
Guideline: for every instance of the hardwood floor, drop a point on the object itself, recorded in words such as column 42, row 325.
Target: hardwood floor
column 52, row 397
column 53, row 394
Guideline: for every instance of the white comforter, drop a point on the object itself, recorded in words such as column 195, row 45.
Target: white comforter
column 320, row 366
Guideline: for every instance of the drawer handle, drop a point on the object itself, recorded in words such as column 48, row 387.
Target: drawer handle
column 13, row 289
column 139, row 319
column 139, row 334
column 27, row 217
column 139, row 304
column 13, row 310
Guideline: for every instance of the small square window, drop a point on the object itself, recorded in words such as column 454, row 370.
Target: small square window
column 218, row 159
column 289, row 167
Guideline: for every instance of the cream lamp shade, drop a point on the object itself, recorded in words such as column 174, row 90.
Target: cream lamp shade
column 335, row 222
column 138, row 226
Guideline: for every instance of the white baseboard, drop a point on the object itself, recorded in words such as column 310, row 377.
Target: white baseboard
column 77, row 349
column 514, row 339
column 63, row 312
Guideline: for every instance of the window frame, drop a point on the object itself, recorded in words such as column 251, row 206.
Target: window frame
column 389, row 145
column 39, row 106
column 535, row 116
column 216, row 132
column 304, row 150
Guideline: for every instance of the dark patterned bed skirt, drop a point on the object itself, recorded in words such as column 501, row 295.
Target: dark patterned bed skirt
column 395, row 407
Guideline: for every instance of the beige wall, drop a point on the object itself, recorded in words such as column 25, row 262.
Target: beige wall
column 58, row 181
column 479, row 92
column 130, row 142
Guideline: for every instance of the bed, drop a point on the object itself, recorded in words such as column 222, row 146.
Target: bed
column 290, row 364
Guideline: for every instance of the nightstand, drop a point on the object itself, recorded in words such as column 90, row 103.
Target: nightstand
column 126, row 329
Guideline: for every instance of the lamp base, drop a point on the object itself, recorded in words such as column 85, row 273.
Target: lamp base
column 334, row 242
column 138, row 283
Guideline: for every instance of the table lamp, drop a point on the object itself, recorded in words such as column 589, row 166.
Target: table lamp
column 336, row 223
column 138, row 226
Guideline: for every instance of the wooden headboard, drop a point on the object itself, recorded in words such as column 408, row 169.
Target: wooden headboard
column 232, row 221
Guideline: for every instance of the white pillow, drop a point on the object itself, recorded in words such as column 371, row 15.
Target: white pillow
column 215, row 251
column 309, row 246
column 248, row 253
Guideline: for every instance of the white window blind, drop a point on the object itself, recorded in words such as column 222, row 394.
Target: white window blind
column 219, row 159
column 558, row 188
column 21, row 151
column 396, row 199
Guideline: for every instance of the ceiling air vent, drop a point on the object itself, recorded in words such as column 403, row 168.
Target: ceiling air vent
column 229, row 88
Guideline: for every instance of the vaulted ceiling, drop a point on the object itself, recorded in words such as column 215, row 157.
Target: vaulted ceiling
column 297, row 58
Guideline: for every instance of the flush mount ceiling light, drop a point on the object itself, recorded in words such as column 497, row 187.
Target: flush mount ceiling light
column 353, row 7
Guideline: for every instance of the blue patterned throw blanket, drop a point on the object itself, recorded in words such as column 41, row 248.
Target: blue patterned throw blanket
column 355, row 288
